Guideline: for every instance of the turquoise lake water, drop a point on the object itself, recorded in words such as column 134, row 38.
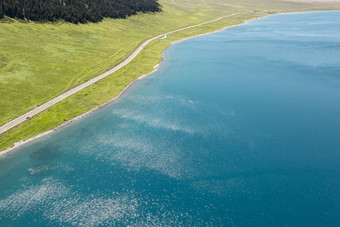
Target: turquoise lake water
column 236, row 128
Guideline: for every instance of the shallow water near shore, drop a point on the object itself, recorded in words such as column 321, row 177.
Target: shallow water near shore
column 239, row 127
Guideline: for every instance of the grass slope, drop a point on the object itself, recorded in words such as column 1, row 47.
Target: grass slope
column 41, row 61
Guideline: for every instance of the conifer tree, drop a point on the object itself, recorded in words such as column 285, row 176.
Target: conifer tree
column 74, row 11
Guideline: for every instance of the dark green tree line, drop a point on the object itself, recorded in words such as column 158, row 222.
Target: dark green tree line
column 74, row 11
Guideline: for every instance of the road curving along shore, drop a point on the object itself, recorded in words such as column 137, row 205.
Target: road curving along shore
column 50, row 103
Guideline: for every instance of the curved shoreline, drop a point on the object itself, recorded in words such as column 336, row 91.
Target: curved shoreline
column 15, row 122
column 22, row 142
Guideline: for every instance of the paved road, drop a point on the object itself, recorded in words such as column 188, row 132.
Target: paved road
column 50, row 103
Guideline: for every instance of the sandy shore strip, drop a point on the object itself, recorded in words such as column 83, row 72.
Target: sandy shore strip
column 314, row 1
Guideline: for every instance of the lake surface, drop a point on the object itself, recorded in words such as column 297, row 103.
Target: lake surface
column 239, row 127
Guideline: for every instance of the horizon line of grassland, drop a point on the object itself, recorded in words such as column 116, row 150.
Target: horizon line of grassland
column 108, row 56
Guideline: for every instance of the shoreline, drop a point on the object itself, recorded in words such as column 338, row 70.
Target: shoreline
column 23, row 142
column 17, row 121
column 246, row 22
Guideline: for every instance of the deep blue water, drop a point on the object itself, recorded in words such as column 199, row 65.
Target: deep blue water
column 239, row 127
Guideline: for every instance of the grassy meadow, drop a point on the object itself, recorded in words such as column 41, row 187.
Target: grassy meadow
column 39, row 61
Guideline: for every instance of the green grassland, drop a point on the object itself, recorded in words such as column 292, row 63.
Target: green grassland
column 41, row 61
